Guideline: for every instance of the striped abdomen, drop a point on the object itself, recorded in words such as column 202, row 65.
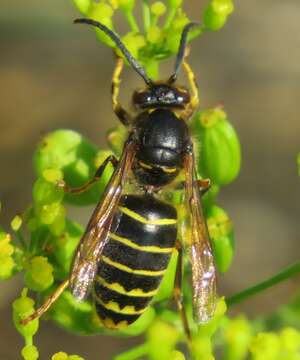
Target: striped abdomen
column 134, row 260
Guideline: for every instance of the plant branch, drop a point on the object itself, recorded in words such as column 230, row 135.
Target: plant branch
column 264, row 285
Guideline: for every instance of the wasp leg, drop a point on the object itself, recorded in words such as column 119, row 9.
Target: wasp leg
column 110, row 159
column 178, row 294
column 194, row 102
column 121, row 113
column 204, row 185
column 43, row 308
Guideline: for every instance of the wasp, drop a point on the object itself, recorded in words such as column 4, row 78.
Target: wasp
column 127, row 244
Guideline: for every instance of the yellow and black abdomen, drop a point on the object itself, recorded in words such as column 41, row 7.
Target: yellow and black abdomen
column 134, row 259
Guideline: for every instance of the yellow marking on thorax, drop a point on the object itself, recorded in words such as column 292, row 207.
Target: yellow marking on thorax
column 153, row 249
column 121, row 290
column 131, row 271
column 143, row 220
column 115, row 307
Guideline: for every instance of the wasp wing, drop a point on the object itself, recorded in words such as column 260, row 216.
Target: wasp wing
column 95, row 236
column 202, row 261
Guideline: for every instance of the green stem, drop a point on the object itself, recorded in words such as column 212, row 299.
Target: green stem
column 131, row 20
column 146, row 15
column 135, row 353
column 170, row 17
column 266, row 284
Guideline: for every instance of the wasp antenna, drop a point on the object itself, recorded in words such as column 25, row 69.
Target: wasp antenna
column 115, row 38
column 181, row 50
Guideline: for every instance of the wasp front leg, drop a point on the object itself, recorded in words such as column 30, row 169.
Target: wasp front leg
column 121, row 113
column 78, row 190
column 178, row 293
column 194, row 102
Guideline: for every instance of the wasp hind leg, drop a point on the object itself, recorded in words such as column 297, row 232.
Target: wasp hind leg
column 178, row 294
column 194, row 102
column 78, row 190
column 121, row 113
column 43, row 308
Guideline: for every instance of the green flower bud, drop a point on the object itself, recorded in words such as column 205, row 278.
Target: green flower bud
column 158, row 8
column 39, row 274
column 265, row 346
column 177, row 355
column 7, row 263
column 134, row 42
column 298, row 162
column 115, row 138
column 6, row 248
column 63, row 248
column 224, row 7
column 152, row 68
column 7, row 266
column 220, row 155
column 213, row 20
column 22, row 308
column 45, row 192
column 60, row 356
column 53, row 175
column 30, row 352
column 83, row 5
column 209, row 197
column 74, row 155
column 238, row 334
column 222, row 238
column 75, row 357
column 50, row 213
column 290, row 339
column 161, row 333
column 77, row 317
column 16, row 223
column 154, row 35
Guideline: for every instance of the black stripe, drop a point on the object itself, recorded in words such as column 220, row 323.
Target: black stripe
column 163, row 236
column 107, row 295
column 135, row 259
column 129, row 281
column 116, row 317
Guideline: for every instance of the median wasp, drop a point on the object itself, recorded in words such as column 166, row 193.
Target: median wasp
column 128, row 242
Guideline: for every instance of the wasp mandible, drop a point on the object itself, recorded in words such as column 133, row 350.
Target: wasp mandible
column 126, row 247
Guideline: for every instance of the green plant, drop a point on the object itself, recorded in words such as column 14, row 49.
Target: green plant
column 43, row 239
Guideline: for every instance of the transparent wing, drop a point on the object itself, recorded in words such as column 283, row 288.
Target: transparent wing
column 95, row 236
column 202, row 261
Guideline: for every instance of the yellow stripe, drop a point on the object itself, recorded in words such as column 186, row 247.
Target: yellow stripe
column 115, row 307
column 169, row 170
column 129, row 270
column 120, row 289
column 145, row 166
column 143, row 220
column 153, row 249
column 110, row 324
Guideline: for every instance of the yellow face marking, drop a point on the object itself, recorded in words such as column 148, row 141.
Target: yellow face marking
column 143, row 220
column 110, row 324
column 115, row 307
column 129, row 270
column 120, row 289
column 153, row 249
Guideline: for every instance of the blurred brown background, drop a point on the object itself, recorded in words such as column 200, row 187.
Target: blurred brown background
column 54, row 76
